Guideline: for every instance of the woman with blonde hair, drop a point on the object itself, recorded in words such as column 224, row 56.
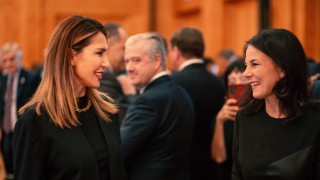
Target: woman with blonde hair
column 69, row 130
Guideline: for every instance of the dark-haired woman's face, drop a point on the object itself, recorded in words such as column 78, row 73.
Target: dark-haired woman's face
column 262, row 73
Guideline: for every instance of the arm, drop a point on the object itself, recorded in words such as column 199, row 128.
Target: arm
column 236, row 171
column 218, row 147
column 28, row 156
column 138, row 127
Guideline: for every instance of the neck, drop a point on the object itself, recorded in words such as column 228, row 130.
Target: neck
column 273, row 108
column 81, row 92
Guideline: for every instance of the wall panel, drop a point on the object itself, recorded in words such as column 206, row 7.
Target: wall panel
column 224, row 23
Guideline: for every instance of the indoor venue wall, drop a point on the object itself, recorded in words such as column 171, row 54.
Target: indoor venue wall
column 224, row 23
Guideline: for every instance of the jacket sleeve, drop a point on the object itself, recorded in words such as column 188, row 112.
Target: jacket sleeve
column 28, row 154
column 138, row 127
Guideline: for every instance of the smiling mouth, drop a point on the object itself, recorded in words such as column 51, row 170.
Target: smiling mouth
column 253, row 84
column 99, row 75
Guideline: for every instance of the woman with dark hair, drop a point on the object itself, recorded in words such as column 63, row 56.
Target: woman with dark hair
column 277, row 129
column 69, row 130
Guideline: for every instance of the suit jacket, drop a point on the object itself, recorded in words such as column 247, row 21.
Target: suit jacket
column 43, row 151
column 157, row 132
column 315, row 89
column 26, row 87
column 110, row 85
column 207, row 94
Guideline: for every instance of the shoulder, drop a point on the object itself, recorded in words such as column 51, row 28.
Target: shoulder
column 26, row 120
column 29, row 118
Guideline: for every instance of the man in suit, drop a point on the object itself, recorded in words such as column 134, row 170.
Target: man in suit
column 157, row 131
column 114, row 82
column 207, row 94
column 17, row 87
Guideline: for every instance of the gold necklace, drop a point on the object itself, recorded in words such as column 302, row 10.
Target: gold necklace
column 85, row 108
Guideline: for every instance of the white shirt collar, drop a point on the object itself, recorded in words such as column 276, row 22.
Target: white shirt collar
column 189, row 62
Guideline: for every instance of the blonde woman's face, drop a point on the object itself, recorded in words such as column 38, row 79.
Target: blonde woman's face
column 90, row 63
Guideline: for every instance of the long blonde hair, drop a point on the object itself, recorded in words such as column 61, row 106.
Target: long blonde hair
column 56, row 92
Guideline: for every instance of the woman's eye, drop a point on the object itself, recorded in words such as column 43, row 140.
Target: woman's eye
column 100, row 53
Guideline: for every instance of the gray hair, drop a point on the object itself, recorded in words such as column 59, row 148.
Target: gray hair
column 12, row 46
column 155, row 45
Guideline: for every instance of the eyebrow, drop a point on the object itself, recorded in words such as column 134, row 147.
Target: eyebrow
column 102, row 49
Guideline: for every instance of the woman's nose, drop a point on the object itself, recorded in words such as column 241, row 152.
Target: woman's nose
column 105, row 62
column 247, row 73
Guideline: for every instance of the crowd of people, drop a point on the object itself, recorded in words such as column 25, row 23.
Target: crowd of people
column 105, row 106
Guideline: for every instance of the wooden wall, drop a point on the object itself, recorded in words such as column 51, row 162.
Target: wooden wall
column 224, row 23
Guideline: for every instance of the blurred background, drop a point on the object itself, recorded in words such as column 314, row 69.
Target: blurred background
column 224, row 23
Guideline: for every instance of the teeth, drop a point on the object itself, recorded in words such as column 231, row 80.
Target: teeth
column 255, row 83
column 98, row 74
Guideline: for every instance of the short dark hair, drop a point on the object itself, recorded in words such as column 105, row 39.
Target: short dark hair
column 286, row 51
column 112, row 29
column 237, row 65
column 189, row 41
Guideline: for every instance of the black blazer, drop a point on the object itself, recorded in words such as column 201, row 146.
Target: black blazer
column 157, row 132
column 26, row 87
column 315, row 89
column 43, row 151
column 208, row 94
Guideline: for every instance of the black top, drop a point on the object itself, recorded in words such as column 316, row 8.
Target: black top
column 93, row 133
column 44, row 151
column 266, row 148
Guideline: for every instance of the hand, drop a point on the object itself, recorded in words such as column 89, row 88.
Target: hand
column 127, row 87
column 228, row 111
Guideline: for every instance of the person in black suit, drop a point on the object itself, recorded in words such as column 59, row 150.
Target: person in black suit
column 206, row 91
column 17, row 87
column 114, row 82
column 157, row 130
column 69, row 130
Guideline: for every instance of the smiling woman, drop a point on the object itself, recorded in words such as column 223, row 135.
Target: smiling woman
column 69, row 130
column 277, row 129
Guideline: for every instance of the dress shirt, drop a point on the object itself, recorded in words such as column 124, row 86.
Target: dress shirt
column 189, row 62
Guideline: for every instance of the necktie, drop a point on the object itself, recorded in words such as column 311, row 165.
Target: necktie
column 7, row 107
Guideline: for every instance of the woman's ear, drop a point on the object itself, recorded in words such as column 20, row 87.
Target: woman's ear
column 73, row 55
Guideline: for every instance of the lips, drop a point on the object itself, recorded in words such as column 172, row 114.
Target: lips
column 99, row 75
column 254, row 84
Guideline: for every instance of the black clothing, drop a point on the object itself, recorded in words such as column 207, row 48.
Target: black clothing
column 157, row 132
column 207, row 94
column 110, row 85
column 92, row 131
column 44, row 151
column 315, row 89
column 266, row 148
